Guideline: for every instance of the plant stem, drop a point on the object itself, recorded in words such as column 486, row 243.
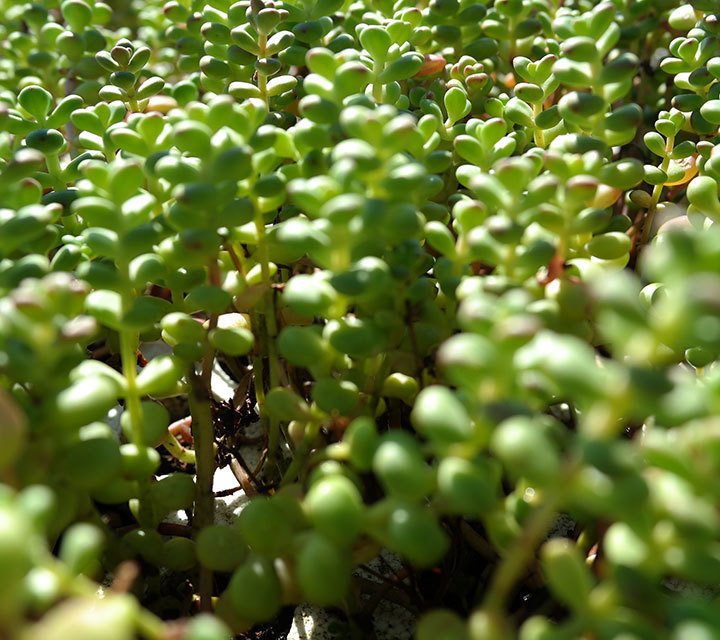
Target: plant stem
column 129, row 342
column 52, row 160
column 149, row 626
column 177, row 451
column 377, row 88
column 209, row 353
column 267, row 306
column 178, row 299
column 656, row 193
column 301, row 454
column 72, row 134
column 204, row 512
column 237, row 259
column 204, row 438
column 518, row 556
column 128, row 355
column 261, row 76
column 538, row 133
column 268, row 346
column 375, row 383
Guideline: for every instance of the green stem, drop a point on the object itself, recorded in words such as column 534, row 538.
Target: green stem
column 518, row 556
column 563, row 236
column 204, row 437
column 263, row 256
column 177, row 451
column 149, row 626
column 341, row 255
column 52, row 160
column 237, row 259
column 178, row 298
column 419, row 364
column 375, row 383
column 70, row 130
column 72, row 224
column 538, row 133
column 262, row 77
column 259, row 369
column 509, row 260
column 301, row 454
column 656, row 193
column 128, row 355
column 266, row 309
column 378, row 66
column 129, row 342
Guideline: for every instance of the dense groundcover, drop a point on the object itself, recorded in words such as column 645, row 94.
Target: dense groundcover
column 458, row 261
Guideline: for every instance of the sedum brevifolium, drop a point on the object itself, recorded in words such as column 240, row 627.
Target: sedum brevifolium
column 459, row 262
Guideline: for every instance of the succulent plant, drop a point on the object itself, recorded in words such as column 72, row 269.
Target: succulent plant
column 460, row 263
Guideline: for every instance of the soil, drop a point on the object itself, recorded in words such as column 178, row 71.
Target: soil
column 276, row 629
